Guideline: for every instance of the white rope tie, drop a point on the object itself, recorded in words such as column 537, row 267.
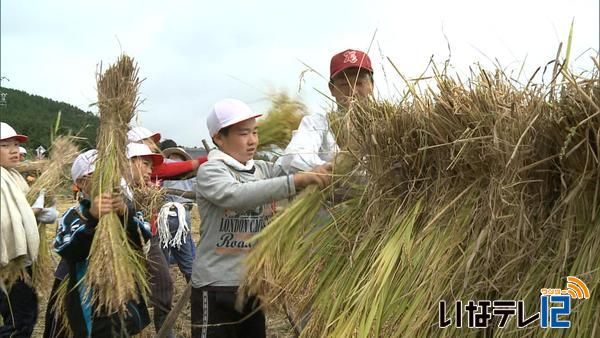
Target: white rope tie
column 164, row 234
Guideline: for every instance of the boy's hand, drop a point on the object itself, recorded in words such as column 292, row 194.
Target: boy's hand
column 101, row 205
column 320, row 175
column 119, row 205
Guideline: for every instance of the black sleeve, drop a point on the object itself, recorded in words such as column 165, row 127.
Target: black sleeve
column 138, row 230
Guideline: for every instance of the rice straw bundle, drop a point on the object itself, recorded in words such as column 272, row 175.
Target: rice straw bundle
column 478, row 190
column 59, row 307
column 282, row 118
column 116, row 271
column 11, row 272
column 62, row 153
column 148, row 198
column 35, row 166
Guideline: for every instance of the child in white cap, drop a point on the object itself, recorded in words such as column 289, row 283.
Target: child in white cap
column 22, row 154
column 143, row 160
column 74, row 239
column 235, row 196
column 166, row 169
column 19, row 239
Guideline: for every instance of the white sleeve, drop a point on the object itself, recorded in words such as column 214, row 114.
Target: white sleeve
column 39, row 201
column 47, row 215
column 302, row 153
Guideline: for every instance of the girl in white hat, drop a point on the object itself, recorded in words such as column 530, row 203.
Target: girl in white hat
column 19, row 238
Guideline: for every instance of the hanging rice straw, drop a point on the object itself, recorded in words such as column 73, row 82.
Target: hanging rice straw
column 32, row 166
column 282, row 118
column 473, row 190
column 116, row 272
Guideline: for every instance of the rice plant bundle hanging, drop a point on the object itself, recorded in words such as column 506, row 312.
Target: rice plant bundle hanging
column 282, row 118
column 473, row 190
column 116, row 272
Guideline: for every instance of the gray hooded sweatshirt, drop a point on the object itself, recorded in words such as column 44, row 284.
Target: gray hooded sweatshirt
column 235, row 202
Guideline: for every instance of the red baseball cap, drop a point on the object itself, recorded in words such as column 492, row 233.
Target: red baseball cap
column 348, row 59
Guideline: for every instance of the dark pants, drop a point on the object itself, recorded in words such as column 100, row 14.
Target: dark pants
column 19, row 310
column 161, row 284
column 213, row 305
column 52, row 323
column 184, row 255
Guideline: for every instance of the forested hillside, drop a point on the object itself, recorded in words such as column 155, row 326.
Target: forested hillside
column 35, row 116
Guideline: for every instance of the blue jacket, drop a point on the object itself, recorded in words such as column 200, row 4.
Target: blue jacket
column 73, row 242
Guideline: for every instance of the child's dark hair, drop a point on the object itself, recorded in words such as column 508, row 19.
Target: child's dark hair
column 223, row 132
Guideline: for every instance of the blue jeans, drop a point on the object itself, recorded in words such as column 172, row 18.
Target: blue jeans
column 184, row 255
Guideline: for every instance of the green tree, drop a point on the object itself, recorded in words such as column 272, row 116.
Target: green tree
column 35, row 116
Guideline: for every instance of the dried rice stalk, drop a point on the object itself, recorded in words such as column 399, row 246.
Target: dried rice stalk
column 62, row 153
column 59, row 307
column 459, row 192
column 148, row 198
column 116, row 271
column 283, row 117
column 11, row 272
column 32, row 166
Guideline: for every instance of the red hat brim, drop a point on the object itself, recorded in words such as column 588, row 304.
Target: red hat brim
column 351, row 66
column 20, row 138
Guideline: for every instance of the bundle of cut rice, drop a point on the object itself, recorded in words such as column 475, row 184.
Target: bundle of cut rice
column 282, row 118
column 475, row 190
column 116, row 271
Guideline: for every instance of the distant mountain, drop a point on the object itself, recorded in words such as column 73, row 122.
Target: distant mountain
column 35, row 116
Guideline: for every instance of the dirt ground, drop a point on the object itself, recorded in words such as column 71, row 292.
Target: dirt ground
column 277, row 323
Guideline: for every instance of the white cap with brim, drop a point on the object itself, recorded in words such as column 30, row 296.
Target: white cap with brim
column 22, row 151
column 84, row 164
column 8, row 132
column 138, row 134
column 226, row 113
column 142, row 150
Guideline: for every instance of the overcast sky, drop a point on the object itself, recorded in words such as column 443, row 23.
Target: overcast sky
column 193, row 53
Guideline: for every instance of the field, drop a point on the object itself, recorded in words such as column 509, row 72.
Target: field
column 277, row 323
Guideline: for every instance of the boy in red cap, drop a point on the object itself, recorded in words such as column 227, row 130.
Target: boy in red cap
column 313, row 144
